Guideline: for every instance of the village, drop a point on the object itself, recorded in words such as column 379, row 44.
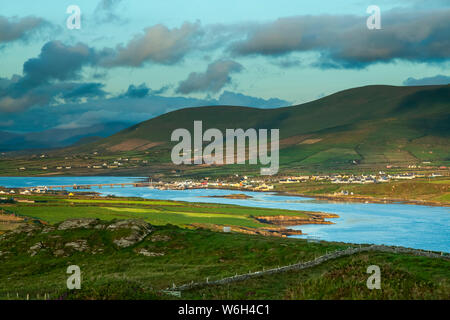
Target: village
column 359, row 179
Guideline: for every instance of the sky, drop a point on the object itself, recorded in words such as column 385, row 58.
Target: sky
column 132, row 60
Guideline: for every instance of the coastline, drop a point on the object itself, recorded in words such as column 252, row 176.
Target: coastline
column 365, row 199
column 338, row 198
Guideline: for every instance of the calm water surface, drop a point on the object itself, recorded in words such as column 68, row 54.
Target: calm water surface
column 422, row 227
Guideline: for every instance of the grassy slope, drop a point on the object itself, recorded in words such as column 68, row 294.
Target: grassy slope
column 188, row 256
column 193, row 255
column 402, row 277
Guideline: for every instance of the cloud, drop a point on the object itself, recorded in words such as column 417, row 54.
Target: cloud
column 137, row 91
column 216, row 76
column 12, row 29
column 48, row 78
column 142, row 91
column 106, row 12
column 84, row 90
column 343, row 41
column 12, row 104
column 57, row 61
column 436, row 80
column 157, row 44
column 13, row 100
column 287, row 63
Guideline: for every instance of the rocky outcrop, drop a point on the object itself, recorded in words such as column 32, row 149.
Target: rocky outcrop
column 28, row 228
column 147, row 253
column 34, row 249
column 79, row 245
column 312, row 218
column 48, row 239
column 139, row 230
column 78, row 223
column 158, row 238
column 4, row 253
column 48, row 229
column 59, row 253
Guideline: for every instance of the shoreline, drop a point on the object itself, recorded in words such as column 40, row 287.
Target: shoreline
column 338, row 198
column 364, row 199
column 360, row 199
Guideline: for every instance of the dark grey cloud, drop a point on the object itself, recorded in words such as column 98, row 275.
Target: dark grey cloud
column 158, row 44
column 142, row 91
column 216, row 76
column 49, row 77
column 139, row 91
column 343, row 41
column 12, row 29
column 14, row 100
column 57, row 61
column 84, row 90
column 436, row 80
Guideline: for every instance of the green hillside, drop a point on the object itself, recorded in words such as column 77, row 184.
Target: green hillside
column 131, row 259
column 368, row 127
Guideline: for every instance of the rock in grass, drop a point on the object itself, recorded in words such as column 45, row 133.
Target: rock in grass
column 4, row 253
column 59, row 253
column 147, row 253
column 48, row 229
column 139, row 230
column 35, row 248
column 158, row 238
column 79, row 245
column 122, row 234
column 28, row 228
column 78, row 223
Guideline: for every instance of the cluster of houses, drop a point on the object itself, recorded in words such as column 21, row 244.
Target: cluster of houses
column 361, row 179
column 120, row 162
column 243, row 183
column 24, row 191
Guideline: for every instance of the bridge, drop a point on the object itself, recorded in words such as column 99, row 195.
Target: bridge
column 89, row 186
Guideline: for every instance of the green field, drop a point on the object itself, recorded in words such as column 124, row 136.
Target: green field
column 59, row 208
column 181, row 253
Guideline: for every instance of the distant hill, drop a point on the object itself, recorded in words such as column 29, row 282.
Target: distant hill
column 369, row 125
column 57, row 138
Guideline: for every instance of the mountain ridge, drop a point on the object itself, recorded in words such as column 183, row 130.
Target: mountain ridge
column 370, row 125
